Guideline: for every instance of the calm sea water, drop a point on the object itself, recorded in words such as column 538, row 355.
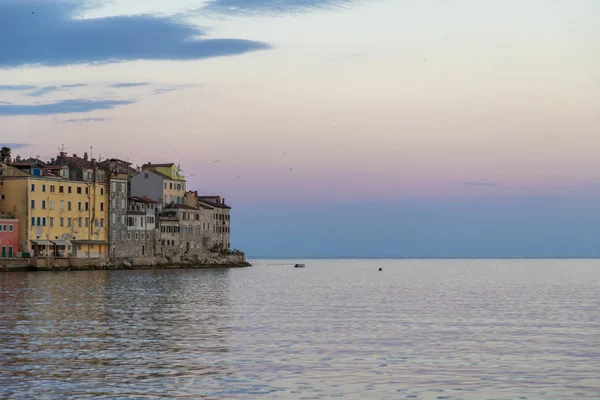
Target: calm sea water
column 476, row 329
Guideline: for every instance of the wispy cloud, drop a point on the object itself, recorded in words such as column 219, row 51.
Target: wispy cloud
column 163, row 90
column 43, row 90
column 54, row 37
column 61, row 107
column 14, row 146
column 74, row 120
column 129, row 84
column 74, row 85
column 16, row 88
column 476, row 183
column 274, row 6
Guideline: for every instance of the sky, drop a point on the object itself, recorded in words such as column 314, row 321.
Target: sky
column 334, row 128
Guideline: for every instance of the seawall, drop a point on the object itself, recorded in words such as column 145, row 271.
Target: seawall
column 82, row 264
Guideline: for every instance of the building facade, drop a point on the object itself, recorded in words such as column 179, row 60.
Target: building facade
column 158, row 187
column 117, row 225
column 142, row 235
column 9, row 235
column 58, row 217
column 220, row 235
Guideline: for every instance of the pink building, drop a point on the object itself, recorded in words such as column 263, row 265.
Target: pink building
column 9, row 236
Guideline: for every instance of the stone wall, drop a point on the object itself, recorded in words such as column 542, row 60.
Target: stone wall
column 117, row 219
column 209, row 260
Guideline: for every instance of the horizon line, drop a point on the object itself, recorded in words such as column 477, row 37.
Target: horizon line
column 427, row 258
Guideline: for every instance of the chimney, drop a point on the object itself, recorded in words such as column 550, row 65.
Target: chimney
column 85, row 156
column 223, row 201
column 74, row 155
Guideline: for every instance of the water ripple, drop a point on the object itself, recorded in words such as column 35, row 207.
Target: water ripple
column 336, row 329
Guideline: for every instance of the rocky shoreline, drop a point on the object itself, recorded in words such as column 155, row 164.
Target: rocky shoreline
column 86, row 264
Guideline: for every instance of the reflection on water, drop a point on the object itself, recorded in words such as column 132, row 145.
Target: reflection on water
column 418, row 329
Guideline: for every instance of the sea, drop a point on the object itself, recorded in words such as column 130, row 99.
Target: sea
column 417, row 329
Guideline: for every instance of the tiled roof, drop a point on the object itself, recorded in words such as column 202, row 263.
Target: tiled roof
column 213, row 204
column 167, row 165
column 179, row 206
column 142, row 199
column 80, row 162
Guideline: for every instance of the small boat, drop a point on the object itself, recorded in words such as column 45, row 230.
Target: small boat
column 299, row 266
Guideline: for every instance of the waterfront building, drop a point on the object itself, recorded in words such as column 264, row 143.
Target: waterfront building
column 141, row 240
column 58, row 216
column 221, row 221
column 162, row 183
column 9, row 235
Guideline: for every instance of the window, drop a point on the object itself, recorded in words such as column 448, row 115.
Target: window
column 165, row 196
column 87, row 222
column 69, row 206
column 147, row 236
column 136, row 236
column 87, row 190
column 114, row 186
column 61, row 189
column 33, row 187
column 51, row 221
column 62, row 222
column 165, row 185
column 128, row 236
column 52, row 189
column 43, row 204
column 69, row 189
column 113, row 218
column 87, row 206
column 32, row 221
column 142, row 222
column 32, row 203
column 62, row 205
column 123, row 204
column 51, row 205
column 10, row 228
column 101, row 222
column 44, row 221
column 96, row 223
column 101, row 206
column 171, row 185
column 102, row 191
column 79, row 190
column 43, row 188
column 80, row 221
column 69, row 222
column 122, row 220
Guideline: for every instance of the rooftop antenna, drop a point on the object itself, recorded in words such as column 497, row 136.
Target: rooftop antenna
column 91, row 152
column 62, row 149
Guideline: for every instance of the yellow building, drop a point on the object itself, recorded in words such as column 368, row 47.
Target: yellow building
column 57, row 216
